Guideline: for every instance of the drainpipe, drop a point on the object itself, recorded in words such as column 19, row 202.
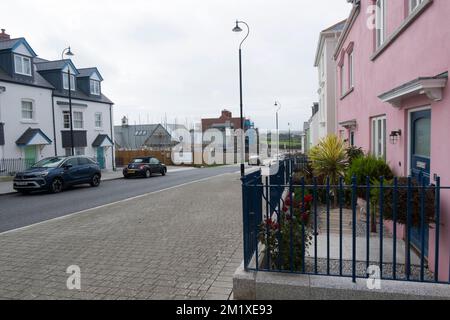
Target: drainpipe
column 54, row 125
column 112, row 137
column 2, row 89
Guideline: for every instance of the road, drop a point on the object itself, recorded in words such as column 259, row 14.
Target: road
column 17, row 211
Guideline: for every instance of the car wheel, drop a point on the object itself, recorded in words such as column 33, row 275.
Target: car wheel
column 95, row 181
column 163, row 172
column 125, row 176
column 148, row 173
column 56, row 186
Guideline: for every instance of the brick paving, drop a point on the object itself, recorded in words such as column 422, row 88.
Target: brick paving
column 183, row 243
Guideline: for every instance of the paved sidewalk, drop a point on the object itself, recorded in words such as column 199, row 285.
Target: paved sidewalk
column 183, row 243
column 6, row 187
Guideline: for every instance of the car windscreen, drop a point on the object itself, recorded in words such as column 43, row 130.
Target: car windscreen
column 49, row 163
column 140, row 160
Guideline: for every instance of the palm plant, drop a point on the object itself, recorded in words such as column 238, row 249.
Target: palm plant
column 329, row 158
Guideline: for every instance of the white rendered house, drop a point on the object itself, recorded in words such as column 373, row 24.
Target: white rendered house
column 34, row 107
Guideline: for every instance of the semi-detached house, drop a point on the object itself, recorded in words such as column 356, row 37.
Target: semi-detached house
column 34, row 107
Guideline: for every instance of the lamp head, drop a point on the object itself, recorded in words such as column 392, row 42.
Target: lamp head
column 237, row 28
column 69, row 53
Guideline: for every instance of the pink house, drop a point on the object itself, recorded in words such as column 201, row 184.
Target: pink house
column 393, row 98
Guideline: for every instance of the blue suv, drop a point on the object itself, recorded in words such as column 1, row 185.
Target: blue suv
column 56, row 173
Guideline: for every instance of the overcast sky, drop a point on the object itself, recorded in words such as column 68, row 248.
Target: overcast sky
column 180, row 58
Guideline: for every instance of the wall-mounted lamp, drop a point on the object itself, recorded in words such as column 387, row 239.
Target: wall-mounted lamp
column 395, row 136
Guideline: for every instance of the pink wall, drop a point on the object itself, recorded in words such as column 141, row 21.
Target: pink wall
column 422, row 50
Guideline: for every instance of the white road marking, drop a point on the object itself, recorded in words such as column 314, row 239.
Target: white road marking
column 114, row 203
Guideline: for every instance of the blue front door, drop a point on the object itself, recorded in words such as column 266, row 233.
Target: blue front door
column 101, row 157
column 420, row 162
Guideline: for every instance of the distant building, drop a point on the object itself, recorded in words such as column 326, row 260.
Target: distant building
column 225, row 121
column 323, row 122
column 145, row 136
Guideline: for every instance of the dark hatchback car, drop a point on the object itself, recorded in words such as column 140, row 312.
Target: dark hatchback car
column 144, row 167
column 56, row 173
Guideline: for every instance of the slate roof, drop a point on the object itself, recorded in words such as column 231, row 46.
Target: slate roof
column 9, row 44
column 54, row 65
column 336, row 27
column 37, row 80
column 82, row 96
column 99, row 140
column 29, row 134
column 87, row 72
column 41, row 65
column 126, row 137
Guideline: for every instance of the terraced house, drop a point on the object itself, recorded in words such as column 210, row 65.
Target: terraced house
column 35, row 111
column 393, row 96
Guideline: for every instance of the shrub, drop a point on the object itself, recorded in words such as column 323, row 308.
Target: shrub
column 367, row 166
column 354, row 153
column 402, row 201
column 277, row 235
column 329, row 159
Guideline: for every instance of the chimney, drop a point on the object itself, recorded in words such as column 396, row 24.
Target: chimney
column 4, row 36
column 226, row 114
column 124, row 122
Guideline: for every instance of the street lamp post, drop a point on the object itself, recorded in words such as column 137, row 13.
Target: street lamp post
column 277, row 104
column 69, row 53
column 238, row 29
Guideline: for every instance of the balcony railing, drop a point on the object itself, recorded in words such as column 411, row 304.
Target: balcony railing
column 389, row 230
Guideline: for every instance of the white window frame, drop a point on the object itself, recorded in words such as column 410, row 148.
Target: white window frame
column 95, row 87
column 19, row 65
column 378, row 136
column 414, row 4
column 342, row 80
column 98, row 122
column 351, row 79
column 78, row 121
column 380, row 22
column 66, row 81
column 80, row 151
column 66, row 122
column 33, row 115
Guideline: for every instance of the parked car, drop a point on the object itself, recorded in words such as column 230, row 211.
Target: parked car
column 57, row 173
column 254, row 161
column 144, row 167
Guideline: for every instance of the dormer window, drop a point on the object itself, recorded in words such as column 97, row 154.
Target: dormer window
column 95, row 87
column 22, row 65
column 66, row 81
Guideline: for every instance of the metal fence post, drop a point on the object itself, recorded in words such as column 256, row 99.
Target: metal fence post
column 354, row 192
column 437, row 207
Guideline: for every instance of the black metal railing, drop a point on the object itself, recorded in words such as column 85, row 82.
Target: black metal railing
column 322, row 227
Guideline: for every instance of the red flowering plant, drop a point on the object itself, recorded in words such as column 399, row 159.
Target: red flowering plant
column 293, row 222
